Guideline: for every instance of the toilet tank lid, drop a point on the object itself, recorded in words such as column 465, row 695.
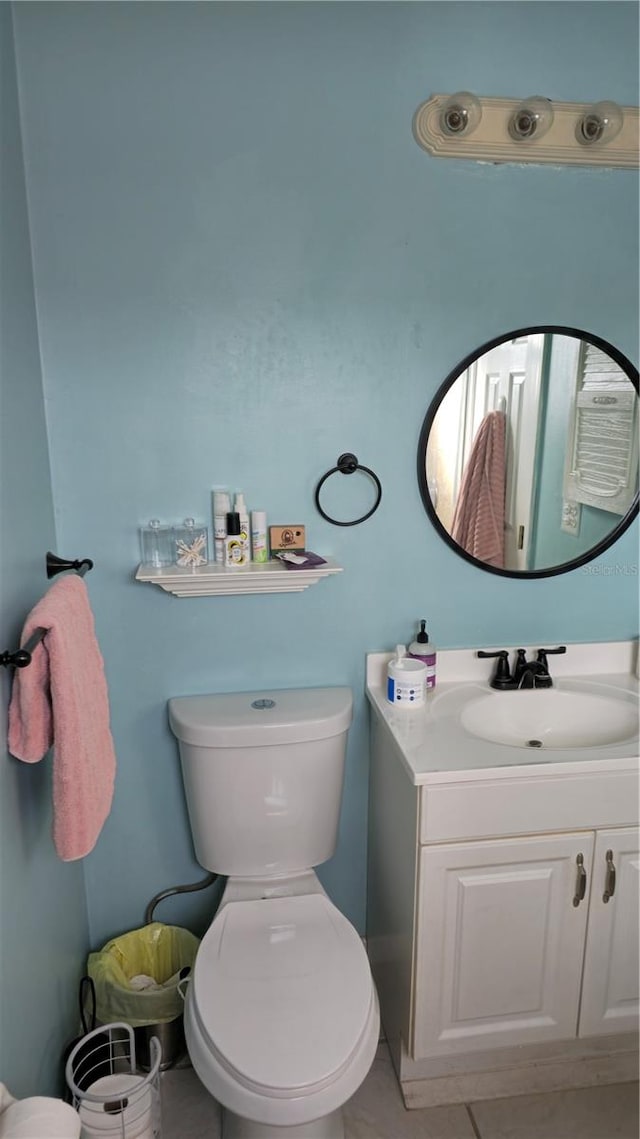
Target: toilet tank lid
column 254, row 719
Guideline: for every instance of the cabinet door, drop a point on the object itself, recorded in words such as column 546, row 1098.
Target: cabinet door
column 500, row 942
column 610, row 985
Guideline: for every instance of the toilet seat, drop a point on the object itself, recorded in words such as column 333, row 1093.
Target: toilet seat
column 283, row 994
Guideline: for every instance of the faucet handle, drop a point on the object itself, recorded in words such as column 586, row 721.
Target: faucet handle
column 543, row 653
column 502, row 676
column 521, row 663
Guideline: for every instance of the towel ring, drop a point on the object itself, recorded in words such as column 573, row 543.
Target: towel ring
column 346, row 465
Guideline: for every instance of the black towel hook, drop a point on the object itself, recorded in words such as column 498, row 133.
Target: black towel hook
column 20, row 658
column 58, row 565
column 346, row 465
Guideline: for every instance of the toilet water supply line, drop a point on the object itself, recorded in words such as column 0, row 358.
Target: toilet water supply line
column 188, row 889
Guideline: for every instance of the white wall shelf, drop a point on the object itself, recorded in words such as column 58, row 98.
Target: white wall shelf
column 216, row 581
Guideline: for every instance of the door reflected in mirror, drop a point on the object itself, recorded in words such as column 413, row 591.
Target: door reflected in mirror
column 528, row 456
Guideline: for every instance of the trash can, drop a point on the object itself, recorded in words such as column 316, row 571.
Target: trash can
column 136, row 979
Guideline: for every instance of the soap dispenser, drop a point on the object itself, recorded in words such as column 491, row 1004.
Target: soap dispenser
column 421, row 649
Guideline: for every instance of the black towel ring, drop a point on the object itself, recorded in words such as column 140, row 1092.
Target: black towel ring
column 346, row 465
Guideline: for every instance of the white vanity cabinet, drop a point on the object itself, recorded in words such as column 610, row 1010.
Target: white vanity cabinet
column 499, row 965
column 610, row 979
column 499, row 943
column 503, row 929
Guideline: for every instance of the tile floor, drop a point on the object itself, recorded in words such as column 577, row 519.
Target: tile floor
column 376, row 1111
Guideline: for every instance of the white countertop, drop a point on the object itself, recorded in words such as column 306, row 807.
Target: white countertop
column 435, row 748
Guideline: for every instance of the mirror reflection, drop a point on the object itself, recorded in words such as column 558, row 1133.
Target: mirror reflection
column 528, row 458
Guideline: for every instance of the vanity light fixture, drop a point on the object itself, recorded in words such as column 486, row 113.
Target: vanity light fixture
column 460, row 114
column 600, row 123
column 531, row 119
column 531, row 130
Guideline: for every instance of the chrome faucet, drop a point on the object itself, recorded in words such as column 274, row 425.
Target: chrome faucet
column 527, row 673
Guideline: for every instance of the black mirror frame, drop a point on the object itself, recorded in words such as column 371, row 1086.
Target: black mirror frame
column 552, row 571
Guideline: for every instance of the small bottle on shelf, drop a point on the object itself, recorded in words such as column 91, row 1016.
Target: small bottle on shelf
column 235, row 546
column 240, row 508
column 221, row 507
column 259, row 549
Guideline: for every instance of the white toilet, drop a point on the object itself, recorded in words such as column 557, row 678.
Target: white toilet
column 281, row 1016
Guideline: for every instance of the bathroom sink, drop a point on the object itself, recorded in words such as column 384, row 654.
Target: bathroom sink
column 551, row 719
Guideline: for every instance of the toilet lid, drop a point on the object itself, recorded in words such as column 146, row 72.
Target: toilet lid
column 283, row 991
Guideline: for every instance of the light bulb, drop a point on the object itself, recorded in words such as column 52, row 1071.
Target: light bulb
column 599, row 123
column 531, row 119
column 460, row 114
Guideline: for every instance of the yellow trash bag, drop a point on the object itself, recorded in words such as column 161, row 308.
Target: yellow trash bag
column 152, row 957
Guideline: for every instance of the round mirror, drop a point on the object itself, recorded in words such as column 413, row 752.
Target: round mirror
column 528, row 455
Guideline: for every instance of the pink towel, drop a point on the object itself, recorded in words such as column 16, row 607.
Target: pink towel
column 478, row 522
column 61, row 699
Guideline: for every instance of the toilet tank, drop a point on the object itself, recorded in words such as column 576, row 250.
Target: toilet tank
column 263, row 774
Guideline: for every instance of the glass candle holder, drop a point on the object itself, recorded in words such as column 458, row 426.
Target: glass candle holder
column 191, row 544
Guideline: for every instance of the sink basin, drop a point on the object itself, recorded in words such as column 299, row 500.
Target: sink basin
column 551, row 719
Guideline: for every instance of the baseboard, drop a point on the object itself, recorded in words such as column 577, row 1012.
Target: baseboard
column 524, row 1075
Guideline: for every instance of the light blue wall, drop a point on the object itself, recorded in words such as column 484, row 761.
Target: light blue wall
column 43, row 912
column 245, row 266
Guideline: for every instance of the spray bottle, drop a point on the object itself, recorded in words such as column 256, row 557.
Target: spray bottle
column 221, row 507
column 240, row 508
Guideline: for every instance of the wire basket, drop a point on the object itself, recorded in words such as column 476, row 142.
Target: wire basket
column 113, row 1100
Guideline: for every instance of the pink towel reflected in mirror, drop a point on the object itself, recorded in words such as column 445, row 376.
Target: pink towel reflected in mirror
column 478, row 521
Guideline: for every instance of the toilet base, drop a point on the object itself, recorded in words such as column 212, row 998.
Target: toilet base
column 236, row 1127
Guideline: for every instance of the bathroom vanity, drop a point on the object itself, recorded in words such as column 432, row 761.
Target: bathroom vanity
column 503, row 879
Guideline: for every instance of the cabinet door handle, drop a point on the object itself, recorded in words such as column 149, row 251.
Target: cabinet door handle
column 610, row 880
column 581, row 881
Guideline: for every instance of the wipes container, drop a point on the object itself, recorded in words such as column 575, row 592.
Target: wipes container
column 406, row 680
